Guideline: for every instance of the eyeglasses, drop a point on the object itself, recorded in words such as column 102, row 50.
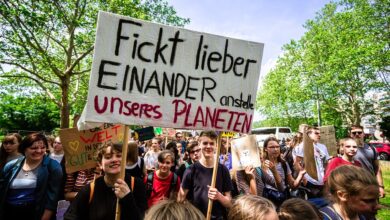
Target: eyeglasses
column 8, row 142
column 357, row 132
column 193, row 151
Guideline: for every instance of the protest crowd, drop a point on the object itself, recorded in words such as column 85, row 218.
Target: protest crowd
column 169, row 177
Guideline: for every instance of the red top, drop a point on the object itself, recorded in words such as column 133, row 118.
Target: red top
column 161, row 188
column 336, row 162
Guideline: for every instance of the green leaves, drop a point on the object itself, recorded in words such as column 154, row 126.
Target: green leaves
column 341, row 54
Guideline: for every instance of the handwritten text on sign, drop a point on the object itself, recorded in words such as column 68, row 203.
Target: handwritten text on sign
column 151, row 74
column 80, row 146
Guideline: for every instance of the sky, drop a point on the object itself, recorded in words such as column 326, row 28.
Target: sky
column 272, row 22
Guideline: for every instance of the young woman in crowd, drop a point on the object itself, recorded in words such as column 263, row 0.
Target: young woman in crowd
column 9, row 149
column 97, row 200
column 349, row 149
column 272, row 159
column 251, row 207
column 151, row 155
column 30, row 186
column 354, row 192
column 298, row 209
column 172, row 146
column 135, row 165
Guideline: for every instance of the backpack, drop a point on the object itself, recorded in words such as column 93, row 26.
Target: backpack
column 92, row 189
column 149, row 184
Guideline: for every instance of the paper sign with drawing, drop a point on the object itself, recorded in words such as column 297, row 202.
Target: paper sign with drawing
column 245, row 152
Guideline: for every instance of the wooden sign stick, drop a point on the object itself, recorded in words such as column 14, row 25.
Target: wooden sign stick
column 214, row 177
column 123, row 167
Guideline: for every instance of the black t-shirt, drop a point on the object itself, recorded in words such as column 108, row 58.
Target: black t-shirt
column 196, row 179
column 103, row 204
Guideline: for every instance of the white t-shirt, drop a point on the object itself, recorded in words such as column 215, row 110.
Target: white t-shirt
column 321, row 156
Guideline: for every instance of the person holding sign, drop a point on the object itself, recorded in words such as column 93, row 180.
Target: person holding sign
column 97, row 200
column 30, row 186
column 367, row 156
column 197, row 180
column 274, row 163
column 321, row 156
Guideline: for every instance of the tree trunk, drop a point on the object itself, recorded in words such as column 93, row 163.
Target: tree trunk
column 65, row 102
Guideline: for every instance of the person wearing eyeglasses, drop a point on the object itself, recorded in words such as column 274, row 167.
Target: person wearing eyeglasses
column 367, row 156
column 349, row 148
column 30, row 186
column 321, row 157
column 193, row 151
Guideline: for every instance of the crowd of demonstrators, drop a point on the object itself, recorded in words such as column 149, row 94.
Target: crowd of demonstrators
column 171, row 180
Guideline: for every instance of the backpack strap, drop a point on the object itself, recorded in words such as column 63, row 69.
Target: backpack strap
column 173, row 183
column 91, row 191
column 187, row 164
column 329, row 213
column 132, row 183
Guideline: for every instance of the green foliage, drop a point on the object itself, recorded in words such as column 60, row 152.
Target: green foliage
column 338, row 60
column 29, row 113
column 46, row 46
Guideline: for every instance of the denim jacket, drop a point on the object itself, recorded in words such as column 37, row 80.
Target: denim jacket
column 47, row 191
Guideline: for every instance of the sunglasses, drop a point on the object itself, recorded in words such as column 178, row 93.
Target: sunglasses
column 357, row 132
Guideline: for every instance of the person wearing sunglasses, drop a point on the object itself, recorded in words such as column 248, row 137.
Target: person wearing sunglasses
column 367, row 156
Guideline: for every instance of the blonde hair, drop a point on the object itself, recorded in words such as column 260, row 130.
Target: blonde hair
column 172, row 210
column 250, row 207
column 349, row 179
column 296, row 209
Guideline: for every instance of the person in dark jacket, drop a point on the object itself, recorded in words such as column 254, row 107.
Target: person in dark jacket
column 30, row 186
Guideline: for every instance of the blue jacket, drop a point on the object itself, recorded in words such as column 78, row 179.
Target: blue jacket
column 48, row 187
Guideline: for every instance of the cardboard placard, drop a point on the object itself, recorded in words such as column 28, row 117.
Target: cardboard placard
column 228, row 134
column 80, row 146
column 245, row 152
column 151, row 74
column 145, row 134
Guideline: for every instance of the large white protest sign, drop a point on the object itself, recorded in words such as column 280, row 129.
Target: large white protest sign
column 150, row 74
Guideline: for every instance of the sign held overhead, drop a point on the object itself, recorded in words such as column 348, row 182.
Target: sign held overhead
column 150, row 74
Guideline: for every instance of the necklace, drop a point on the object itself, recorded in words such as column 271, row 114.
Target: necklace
column 27, row 172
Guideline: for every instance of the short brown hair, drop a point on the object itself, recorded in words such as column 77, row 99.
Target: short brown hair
column 296, row 209
column 29, row 140
column 250, row 207
column 355, row 127
column 210, row 134
column 163, row 155
column 102, row 150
